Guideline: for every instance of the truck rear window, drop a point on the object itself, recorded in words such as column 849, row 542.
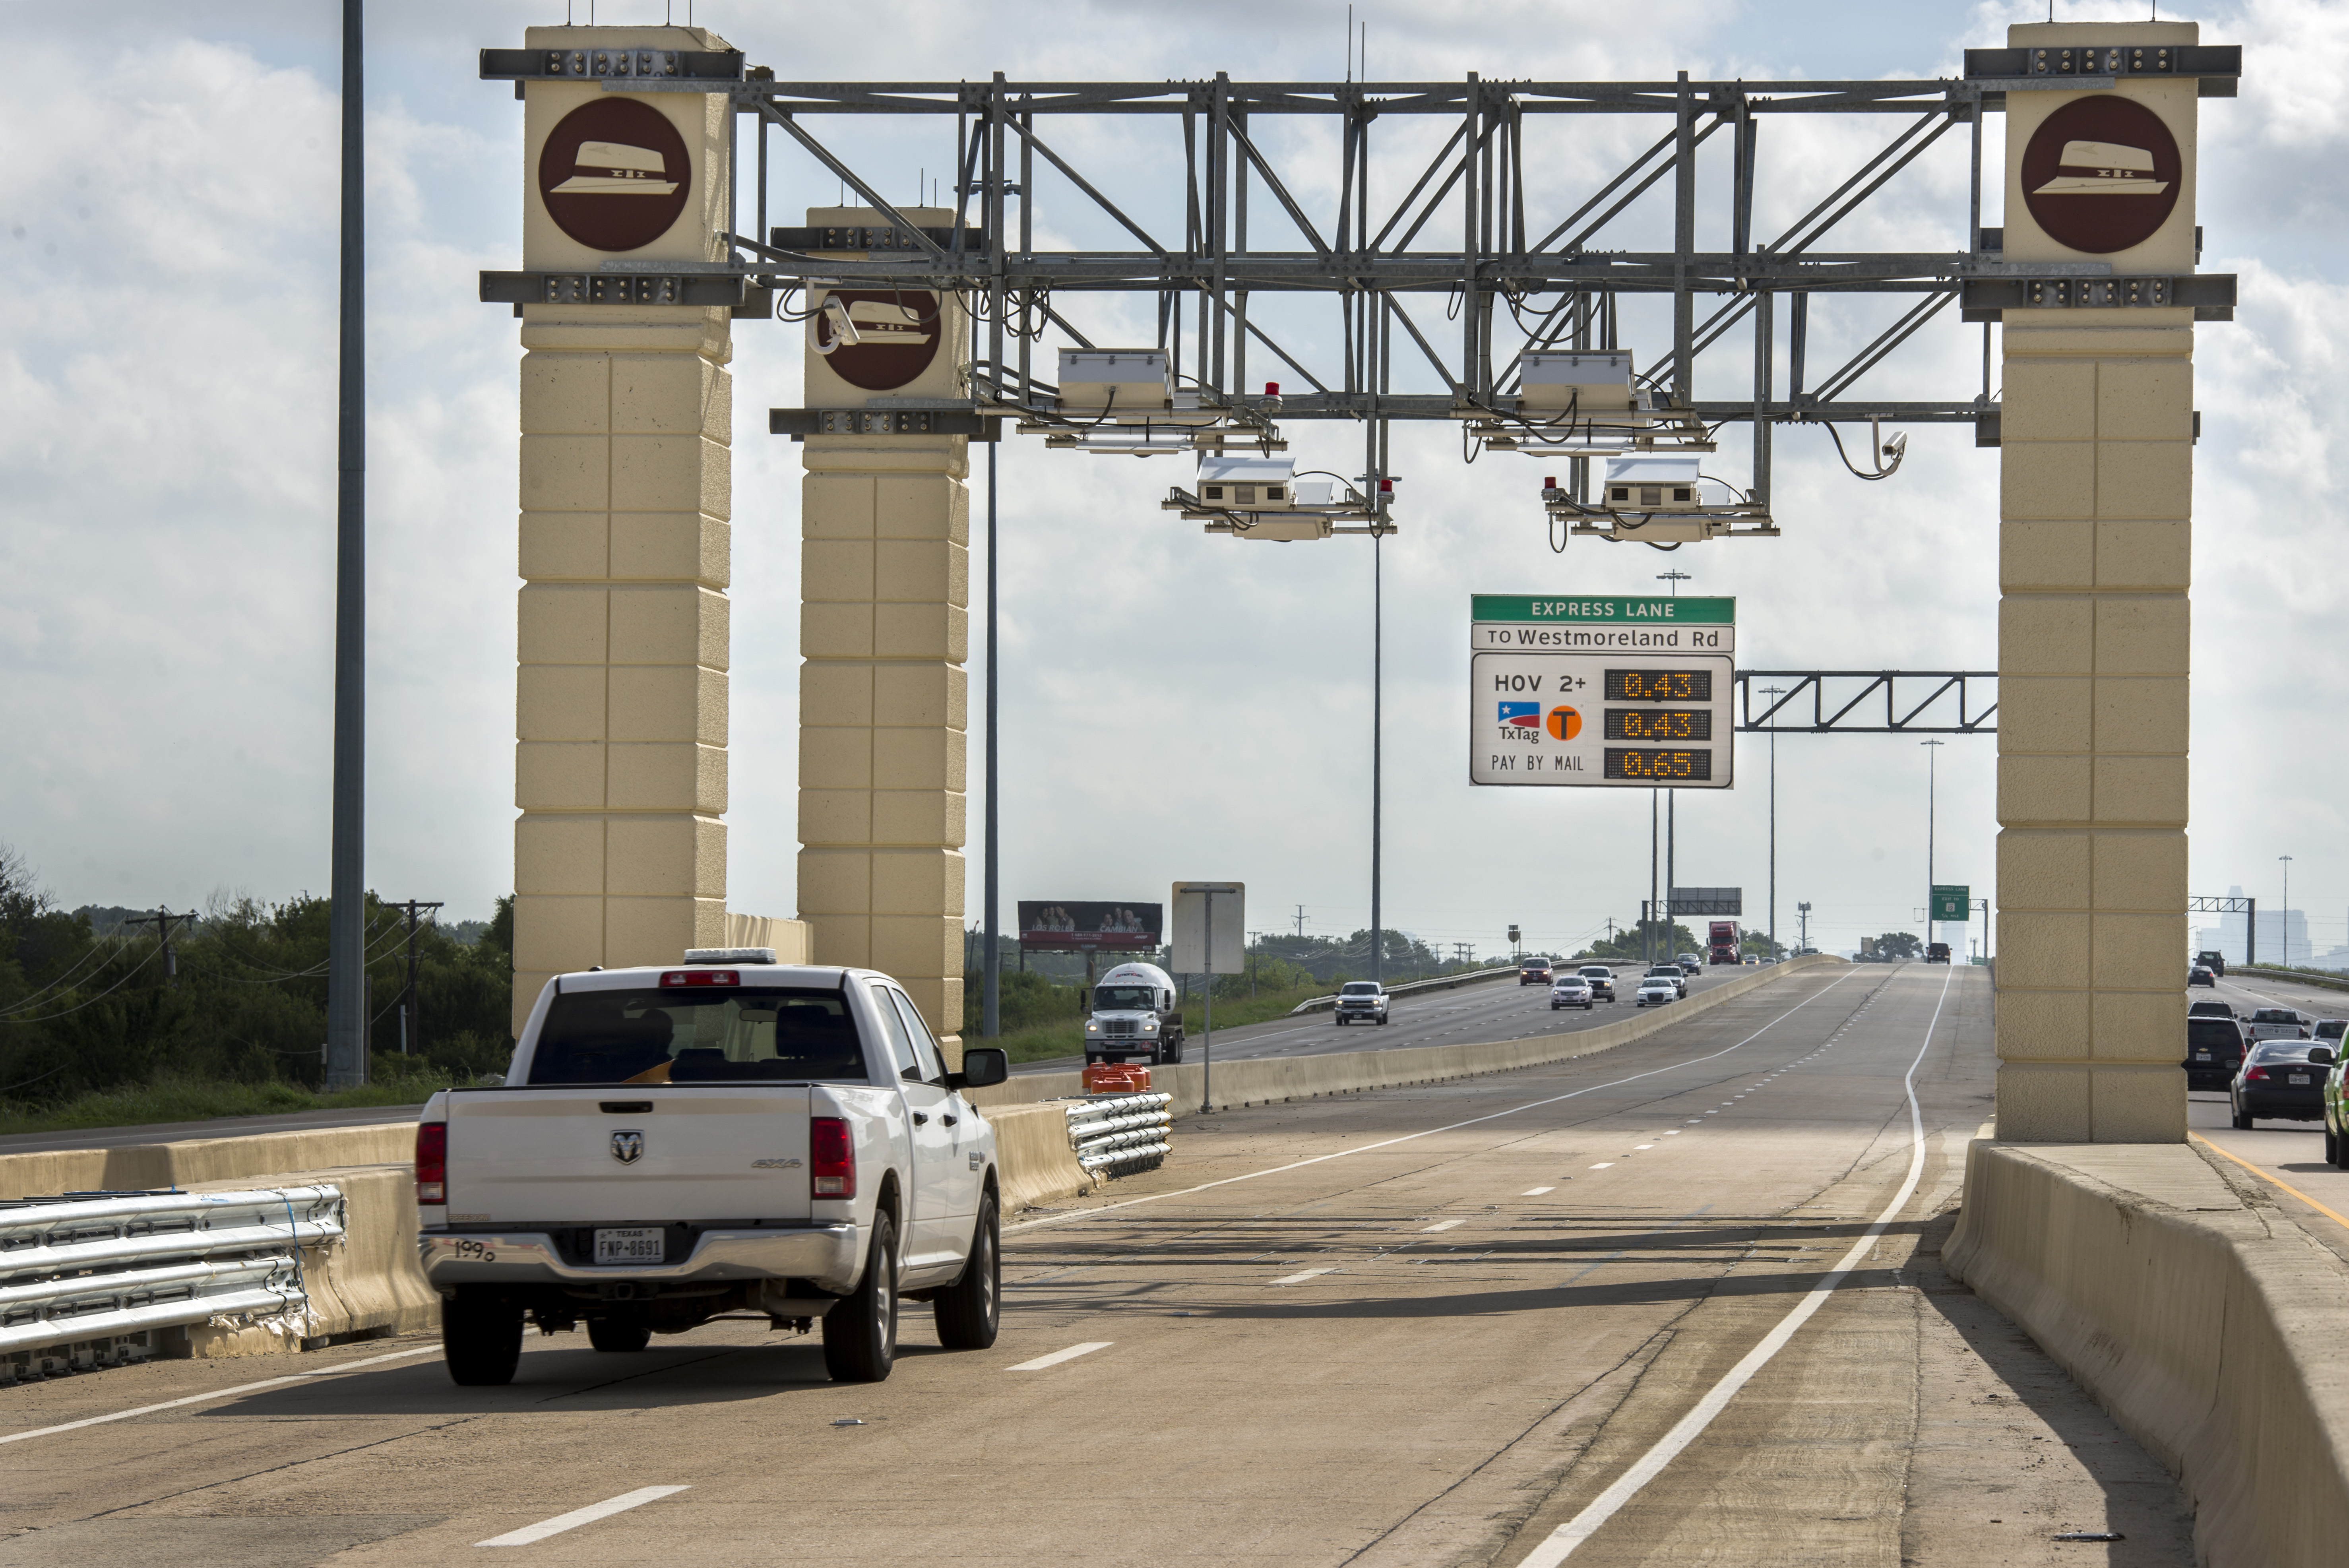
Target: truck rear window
column 698, row 1036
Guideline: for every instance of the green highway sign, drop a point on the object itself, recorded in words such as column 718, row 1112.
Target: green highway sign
column 1602, row 610
column 1952, row 903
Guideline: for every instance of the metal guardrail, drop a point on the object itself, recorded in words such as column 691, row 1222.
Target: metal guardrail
column 89, row 1270
column 1120, row 1132
column 1441, row 982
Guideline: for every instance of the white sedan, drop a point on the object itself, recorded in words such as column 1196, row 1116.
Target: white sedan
column 1656, row 990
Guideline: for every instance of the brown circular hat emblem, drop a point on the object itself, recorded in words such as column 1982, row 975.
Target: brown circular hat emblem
column 2102, row 174
column 894, row 335
column 614, row 174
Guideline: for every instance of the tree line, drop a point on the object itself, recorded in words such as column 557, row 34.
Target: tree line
column 238, row 995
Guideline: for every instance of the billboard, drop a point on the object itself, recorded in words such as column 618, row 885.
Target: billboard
column 1089, row 925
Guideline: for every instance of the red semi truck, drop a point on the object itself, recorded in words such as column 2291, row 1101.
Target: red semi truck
column 1723, row 940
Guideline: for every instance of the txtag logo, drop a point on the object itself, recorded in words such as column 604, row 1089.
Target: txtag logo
column 1521, row 714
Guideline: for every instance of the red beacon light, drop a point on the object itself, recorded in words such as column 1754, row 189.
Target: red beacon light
column 1550, row 483
column 1272, row 388
column 701, row 977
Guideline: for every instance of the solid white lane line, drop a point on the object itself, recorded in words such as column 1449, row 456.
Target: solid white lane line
column 220, row 1394
column 579, row 1516
column 1561, row 1541
column 1302, row 1278
column 1442, row 1226
column 1054, row 1359
column 1535, row 1191
column 1063, row 1219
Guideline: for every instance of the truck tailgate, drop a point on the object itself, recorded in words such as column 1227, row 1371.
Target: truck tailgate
column 596, row 1155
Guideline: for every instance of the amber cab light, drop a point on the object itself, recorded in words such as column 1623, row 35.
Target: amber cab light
column 701, row 977
column 831, row 1158
column 432, row 1162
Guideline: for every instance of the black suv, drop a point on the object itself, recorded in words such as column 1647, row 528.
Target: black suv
column 2214, row 1049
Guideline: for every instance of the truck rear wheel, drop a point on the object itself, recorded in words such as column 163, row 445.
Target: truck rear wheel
column 970, row 1310
column 860, row 1335
column 480, row 1338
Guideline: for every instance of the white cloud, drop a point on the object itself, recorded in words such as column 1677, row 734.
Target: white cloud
column 1173, row 705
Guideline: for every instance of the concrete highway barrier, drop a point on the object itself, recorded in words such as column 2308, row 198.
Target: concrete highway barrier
column 1408, row 988
column 2324, row 982
column 2204, row 1319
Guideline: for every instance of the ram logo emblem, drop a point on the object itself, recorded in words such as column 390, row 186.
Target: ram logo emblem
column 628, row 1148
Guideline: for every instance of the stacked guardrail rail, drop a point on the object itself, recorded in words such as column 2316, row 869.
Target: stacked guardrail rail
column 86, row 1278
column 1119, row 1134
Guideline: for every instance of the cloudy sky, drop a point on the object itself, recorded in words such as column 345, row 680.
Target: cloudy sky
column 1173, row 705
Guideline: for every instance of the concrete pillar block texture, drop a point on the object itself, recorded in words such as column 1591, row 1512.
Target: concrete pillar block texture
column 885, row 583
column 626, row 499
column 2096, row 464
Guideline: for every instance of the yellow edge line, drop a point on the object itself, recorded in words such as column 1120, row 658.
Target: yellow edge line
column 2336, row 1218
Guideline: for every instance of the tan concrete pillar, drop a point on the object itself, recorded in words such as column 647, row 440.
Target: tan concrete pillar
column 884, row 630
column 2097, row 474
column 626, row 471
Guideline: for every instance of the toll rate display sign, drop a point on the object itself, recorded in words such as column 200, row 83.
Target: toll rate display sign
column 1602, row 691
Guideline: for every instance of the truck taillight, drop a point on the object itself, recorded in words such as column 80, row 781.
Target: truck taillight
column 831, row 1157
column 432, row 1162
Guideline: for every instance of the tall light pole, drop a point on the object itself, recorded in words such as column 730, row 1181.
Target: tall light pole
column 1671, row 802
column 347, row 1020
column 991, row 962
column 1378, row 714
column 2283, row 921
column 1773, row 692
column 1932, row 755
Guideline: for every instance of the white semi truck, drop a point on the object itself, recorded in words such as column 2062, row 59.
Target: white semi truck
column 728, row 1135
column 1137, row 1014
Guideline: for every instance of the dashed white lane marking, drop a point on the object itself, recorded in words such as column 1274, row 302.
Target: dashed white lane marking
column 1672, row 1132
column 1440, row 1225
column 1560, row 1543
column 1302, row 1278
column 579, row 1516
column 1535, row 1191
column 1054, row 1359
column 1602, row 1165
column 221, row 1394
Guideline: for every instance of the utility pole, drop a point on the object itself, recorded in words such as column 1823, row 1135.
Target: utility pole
column 346, row 922
column 2283, row 920
column 1648, row 914
column 1671, row 804
column 1378, row 715
column 411, row 1015
column 1300, row 923
column 1932, row 755
column 1773, row 692
column 990, row 1010
column 1803, row 926
column 162, row 921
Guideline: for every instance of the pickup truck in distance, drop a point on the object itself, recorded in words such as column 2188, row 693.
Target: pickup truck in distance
column 730, row 1135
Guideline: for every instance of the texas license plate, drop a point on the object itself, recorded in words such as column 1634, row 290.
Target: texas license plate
column 2201, row 1055
column 2296, row 1078
column 630, row 1244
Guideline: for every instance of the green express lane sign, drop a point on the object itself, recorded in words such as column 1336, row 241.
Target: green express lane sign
column 1952, row 903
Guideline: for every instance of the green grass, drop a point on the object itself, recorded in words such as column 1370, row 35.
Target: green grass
column 196, row 1100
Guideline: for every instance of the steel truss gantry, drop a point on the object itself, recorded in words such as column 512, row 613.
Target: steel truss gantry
column 1470, row 240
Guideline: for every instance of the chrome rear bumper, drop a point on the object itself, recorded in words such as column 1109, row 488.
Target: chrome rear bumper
column 830, row 1255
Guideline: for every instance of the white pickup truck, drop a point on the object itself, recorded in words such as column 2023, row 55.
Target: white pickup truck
column 729, row 1135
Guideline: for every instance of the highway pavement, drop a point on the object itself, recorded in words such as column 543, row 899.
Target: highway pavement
column 1503, row 1009
column 1675, row 1302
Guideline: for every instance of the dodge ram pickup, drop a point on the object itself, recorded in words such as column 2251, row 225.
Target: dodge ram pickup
column 729, row 1135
